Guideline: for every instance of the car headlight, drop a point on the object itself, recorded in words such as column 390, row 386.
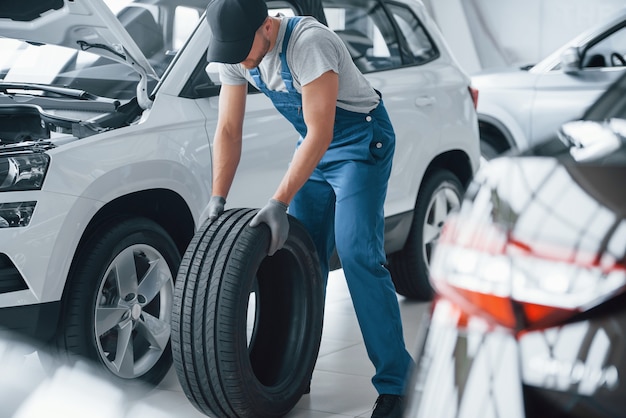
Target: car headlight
column 23, row 171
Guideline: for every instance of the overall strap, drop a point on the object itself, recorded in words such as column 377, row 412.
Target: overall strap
column 256, row 76
column 285, row 72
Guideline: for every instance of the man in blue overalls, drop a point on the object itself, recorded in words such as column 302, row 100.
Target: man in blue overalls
column 337, row 180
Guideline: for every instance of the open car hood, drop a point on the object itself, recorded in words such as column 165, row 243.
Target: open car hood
column 79, row 24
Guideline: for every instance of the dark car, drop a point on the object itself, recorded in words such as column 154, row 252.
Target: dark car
column 530, row 314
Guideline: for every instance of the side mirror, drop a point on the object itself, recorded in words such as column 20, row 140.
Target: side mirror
column 588, row 140
column 570, row 61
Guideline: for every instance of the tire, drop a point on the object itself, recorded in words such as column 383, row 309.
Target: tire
column 122, row 321
column 440, row 194
column 246, row 328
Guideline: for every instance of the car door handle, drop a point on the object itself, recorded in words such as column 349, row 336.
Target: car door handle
column 424, row 101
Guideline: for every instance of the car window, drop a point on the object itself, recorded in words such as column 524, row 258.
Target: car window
column 185, row 20
column 610, row 51
column 611, row 104
column 422, row 48
column 367, row 31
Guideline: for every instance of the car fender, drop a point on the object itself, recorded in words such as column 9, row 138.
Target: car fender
column 111, row 186
column 127, row 164
column 506, row 123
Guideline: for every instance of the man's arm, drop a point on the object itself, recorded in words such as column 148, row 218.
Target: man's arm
column 228, row 137
column 319, row 99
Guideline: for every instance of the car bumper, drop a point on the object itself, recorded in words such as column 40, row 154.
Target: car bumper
column 35, row 322
column 476, row 370
column 460, row 372
column 35, row 258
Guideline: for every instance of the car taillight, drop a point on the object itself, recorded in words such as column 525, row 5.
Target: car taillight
column 474, row 93
column 488, row 273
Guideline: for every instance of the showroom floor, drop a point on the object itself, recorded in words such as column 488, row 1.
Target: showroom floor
column 341, row 382
column 340, row 387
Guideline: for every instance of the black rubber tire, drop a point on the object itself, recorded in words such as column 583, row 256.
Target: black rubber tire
column 225, row 370
column 94, row 291
column 409, row 267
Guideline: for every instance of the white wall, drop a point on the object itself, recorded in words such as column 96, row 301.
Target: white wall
column 487, row 34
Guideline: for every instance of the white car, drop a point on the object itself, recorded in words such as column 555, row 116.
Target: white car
column 105, row 159
column 521, row 107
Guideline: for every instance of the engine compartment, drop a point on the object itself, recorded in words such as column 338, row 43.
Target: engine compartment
column 29, row 123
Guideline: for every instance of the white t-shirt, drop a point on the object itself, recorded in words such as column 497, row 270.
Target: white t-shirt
column 313, row 50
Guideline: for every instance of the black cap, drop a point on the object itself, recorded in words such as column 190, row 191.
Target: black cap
column 233, row 23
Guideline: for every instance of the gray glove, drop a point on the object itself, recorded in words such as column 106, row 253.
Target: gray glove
column 213, row 210
column 274, row 214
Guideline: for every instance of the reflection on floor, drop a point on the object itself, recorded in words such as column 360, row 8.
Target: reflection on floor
column 341, row 382
column 340, row 387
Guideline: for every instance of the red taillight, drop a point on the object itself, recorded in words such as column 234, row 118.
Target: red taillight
column 474, row 93
column 495, row 309
column 488, row 273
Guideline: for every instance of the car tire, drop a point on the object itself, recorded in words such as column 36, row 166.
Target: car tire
column 117, row 306
column 440, row 194
column 246, row 328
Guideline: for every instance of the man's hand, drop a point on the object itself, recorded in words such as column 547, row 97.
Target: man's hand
column 213, row 210
column 274, row 214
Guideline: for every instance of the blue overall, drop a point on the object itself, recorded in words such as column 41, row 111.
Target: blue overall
column 342, row 204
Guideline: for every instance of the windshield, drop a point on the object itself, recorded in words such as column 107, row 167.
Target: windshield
column 611, row 104
column 146, row 23
column 21, row 62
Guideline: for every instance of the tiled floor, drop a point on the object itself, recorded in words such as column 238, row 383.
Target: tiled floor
column 341, row 384
column 340, row 387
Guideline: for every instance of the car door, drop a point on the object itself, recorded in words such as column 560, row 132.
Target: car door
column 562, row 96
column 409, row 86
column 269, row 140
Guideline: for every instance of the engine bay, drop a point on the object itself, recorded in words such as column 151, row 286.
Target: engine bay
column 30, row 123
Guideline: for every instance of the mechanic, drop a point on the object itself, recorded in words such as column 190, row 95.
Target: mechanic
column 337, row 180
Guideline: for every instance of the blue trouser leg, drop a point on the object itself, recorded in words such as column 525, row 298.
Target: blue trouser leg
column 359, row 189
column 314, row 206
column 359, row 222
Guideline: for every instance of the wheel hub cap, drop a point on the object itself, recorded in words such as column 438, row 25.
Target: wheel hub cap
column 135, row 311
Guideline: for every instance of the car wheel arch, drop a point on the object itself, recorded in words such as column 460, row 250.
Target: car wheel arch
column 166, row 207
column 498, row 134
column 409, row 266
column 396, row 227
column 133, row 233
column 456, row 161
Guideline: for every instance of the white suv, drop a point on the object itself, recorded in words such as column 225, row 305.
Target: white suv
column 522, row 107
column 105, row 159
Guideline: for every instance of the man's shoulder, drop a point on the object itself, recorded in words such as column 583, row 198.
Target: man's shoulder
column 309, row 26
column 310, row 33
column 232, row 73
